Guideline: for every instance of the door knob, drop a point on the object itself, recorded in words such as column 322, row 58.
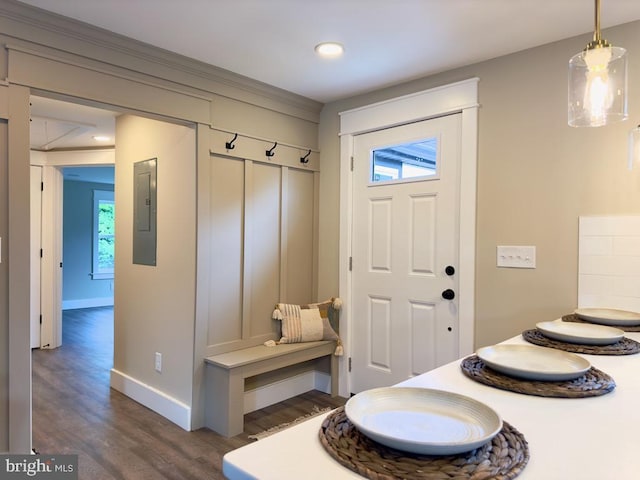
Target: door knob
column 448, row 294
column 449, row 270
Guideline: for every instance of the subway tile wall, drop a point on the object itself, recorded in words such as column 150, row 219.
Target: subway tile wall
column 609, row 262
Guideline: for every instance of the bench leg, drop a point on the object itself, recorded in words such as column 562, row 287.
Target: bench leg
column 226, row 407
column 334, row 376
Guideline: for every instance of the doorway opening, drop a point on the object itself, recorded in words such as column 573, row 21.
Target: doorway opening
column 72, row 165
column 88, row 237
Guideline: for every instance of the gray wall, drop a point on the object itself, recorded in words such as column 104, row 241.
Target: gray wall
column 77, row 284
column 154, row 305
column 53, row 55
column 536, row 175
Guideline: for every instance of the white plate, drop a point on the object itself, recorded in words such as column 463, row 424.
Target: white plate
column 582, row 333
column 534, row 363
column 608, row 316
column 423, row 420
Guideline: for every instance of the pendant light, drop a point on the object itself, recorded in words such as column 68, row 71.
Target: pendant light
column 634, row 147
column 598, row 82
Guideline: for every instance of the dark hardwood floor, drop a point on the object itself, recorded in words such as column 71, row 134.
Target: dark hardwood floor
column 75, row 412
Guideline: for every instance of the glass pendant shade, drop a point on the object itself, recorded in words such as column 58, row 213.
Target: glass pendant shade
column 598, row 86
column 634, row 147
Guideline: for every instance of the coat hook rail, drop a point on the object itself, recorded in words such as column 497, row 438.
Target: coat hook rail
column 269, row 153
column 230, row 145
column 255, row 137
column 305, row 159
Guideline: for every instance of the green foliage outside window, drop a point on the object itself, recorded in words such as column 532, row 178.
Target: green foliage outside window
column 106, row 238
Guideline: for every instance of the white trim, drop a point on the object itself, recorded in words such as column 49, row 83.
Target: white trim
column 456, row 97
column 52, row 200
column 161, row 403
column 105, row 196
column 414, row 107
column 264, row 396
column 87, row 303
column 467, row 245
column 74, row 157
column 102, row 276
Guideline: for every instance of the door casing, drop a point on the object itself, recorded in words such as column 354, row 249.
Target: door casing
column 459, row 97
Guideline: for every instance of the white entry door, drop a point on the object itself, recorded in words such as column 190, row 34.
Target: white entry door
column 406, row 211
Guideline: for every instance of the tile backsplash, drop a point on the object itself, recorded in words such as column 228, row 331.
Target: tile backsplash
column 609, row 262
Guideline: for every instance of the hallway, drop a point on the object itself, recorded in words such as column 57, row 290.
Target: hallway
column 75, row 412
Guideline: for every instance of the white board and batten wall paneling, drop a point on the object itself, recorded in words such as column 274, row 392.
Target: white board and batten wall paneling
column 609, row 262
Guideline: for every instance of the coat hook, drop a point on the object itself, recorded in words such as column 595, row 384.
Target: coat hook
column 230, row 145
column 269, row 153
column 305, row 159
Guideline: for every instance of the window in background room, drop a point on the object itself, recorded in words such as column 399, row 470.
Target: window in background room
column 103, row 234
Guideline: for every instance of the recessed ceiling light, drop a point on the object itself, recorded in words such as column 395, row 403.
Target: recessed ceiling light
column 101, row 138
column 329, row 49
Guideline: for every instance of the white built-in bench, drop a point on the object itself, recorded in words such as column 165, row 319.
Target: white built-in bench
column 225, row 375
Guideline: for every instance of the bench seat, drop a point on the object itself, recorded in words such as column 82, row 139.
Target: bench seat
column 225, row 375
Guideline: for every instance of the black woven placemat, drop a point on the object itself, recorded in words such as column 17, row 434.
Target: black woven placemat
column 572, row 317
column 504, row 457
column 625, row 346
column 591, row 384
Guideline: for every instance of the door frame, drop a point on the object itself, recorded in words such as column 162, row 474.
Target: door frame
column 52, row 164
column 14, row 106
column 460, row 97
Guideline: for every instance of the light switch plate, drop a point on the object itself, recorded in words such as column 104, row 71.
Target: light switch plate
column 514, row 256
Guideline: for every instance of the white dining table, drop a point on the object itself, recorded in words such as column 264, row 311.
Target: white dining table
column 569, row 438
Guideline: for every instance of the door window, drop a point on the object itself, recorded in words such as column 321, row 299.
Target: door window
column 405, row 162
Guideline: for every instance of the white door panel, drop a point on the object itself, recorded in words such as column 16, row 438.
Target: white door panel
column 36, row 245
column 404, row 236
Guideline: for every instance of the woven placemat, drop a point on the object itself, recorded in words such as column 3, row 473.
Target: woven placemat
column 625, row 346
column 572, row 317
column 504, row 457
column 591, row 384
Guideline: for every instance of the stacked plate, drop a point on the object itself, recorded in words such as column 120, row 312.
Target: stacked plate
column 609, row 316
column 423, row 420
column 581, row 333
column 534, row 363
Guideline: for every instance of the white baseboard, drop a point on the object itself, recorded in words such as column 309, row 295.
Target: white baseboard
column 87, row 303
column 277, row 392
column 170, row 408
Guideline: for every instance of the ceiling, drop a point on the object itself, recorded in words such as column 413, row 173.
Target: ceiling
column 272, row 41
column 386, row 41
column 57, row 125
